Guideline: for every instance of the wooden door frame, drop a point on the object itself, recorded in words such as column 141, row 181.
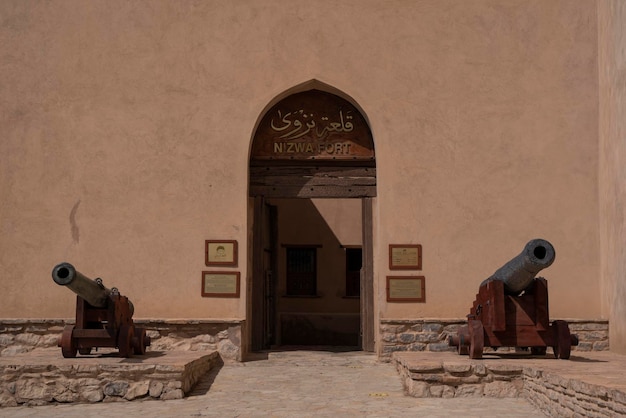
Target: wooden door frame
column 367, row 276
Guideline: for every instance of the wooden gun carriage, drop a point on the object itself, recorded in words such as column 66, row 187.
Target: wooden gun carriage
column 103, row 317
column 511, row 310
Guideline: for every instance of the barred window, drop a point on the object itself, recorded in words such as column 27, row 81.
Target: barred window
column 301, row 271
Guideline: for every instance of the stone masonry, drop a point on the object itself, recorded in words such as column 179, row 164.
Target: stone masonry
column 564, row 388
column 42, row 377
column 432, row 335
column 23, row 335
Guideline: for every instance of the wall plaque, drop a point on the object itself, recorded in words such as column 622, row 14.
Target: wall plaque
column 406, row 289
column 405, row 257
column 221, row 284
column 220, row 252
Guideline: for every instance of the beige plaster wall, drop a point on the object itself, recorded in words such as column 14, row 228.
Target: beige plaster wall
column 492, row 142
column 612, row 75
column 126, row 132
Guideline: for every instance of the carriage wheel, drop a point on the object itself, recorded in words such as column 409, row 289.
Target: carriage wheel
column 139, row 341
column 463, row 347
column 562, row 340
column 477, row 339
column 67, row 343
column 125, row 341
column 463, row 336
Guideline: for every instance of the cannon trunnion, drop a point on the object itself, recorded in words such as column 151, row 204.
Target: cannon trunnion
column 103, row 317
column 511, row 310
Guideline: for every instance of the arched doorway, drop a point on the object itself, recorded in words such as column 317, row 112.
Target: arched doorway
column 312, row 178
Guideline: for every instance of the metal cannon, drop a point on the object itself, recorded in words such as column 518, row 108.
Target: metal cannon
column 511, row 310
column 103, row 317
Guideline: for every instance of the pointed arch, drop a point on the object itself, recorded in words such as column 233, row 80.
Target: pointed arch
column 313, row 143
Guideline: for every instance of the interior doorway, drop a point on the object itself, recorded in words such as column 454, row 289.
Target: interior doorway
column 313, row 180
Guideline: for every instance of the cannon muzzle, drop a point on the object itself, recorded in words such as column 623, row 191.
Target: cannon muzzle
column 93, row 291
column 520, row 271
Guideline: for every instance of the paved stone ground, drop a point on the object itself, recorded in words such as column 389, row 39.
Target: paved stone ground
column 295, row 384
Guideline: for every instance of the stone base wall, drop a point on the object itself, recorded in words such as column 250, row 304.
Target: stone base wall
column 224, row 336
column 43, row 378
column 437, row 379
column 556, row 395
column 561, row 397
column 432, row 335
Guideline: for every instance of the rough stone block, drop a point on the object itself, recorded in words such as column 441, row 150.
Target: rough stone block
column 92, row 394
column 137, row 390
column 588, row 326
column 234, row 335
column 48, row 340
column 117, row 388
column 532, row 373
column 480, row 369
column 501, row 389
column 32, row 389
column 601, row 345
column 66, row 396
column 504, row 369
column 389, row 328
column 592, row 336
column 15, row 349
column 173, row 385
column 427, row 337
column 588, row 389
column 172, row 394
column 6, row 399
column 156, row 388
column 388, row 349
column 450, row 380
column 424, row 367
column 228, row 350
column 28, row 339
column 448, row 392
column 433, row 327
column 417, row 328
column 427, row 377
column 418, row 389
column 416, row 347
column 6, row 339
column 458, row 368
column 440, row 347
column 465, row 391
column 473, row 379
column 618, row 396
column 205, row 338
column 203, row 347
column 436, row 391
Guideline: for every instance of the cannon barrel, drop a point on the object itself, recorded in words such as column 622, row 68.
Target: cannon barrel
column 520, row 271
column 93, row 291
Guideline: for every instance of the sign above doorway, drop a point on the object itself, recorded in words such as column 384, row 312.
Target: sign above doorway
column 314, row 126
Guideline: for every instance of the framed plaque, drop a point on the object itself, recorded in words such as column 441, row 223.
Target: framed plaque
column 220, row 252
column 220, row 284
column 406, row 289
column 405, row 257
